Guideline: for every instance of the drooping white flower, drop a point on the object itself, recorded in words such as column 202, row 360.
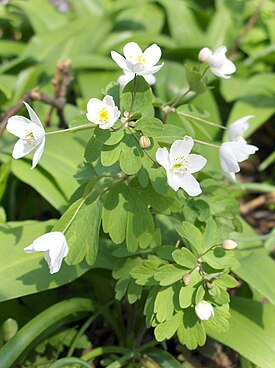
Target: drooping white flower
column 54, row 245
column 31, row 134
column 237, row 129
column 127, row 77
column 180, row 165
column 231, row 153
column 217, row 61
column 103, row 113
column 138, row 62
column 204, row 310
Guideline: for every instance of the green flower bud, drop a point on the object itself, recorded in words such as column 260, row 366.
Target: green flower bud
column 9, row 328
column 144, row 141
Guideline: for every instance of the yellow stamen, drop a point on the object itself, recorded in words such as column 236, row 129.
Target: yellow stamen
column 141, row 59
column 103, row 114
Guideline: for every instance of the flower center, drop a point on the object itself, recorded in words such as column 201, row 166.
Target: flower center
column 139, row 58
column 29, row 137
column 103, row 114
column 180, row 165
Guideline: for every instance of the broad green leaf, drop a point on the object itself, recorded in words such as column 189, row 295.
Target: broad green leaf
column 219, row 258
column 187, row 292
column 150, row 126
column 169, row 274
column 258, row 271
column 184, row 258
column 191, row 332
column 254, row 322
column 195, row 81
column 130, row 156
column 29, row 273
column 167, row 329
column 212, row 235
column 141, row 100
column 164, row 306
column 134, row 292
column 192, row 235
column 108, row 137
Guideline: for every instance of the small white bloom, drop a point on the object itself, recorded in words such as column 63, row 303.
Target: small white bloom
column 30, row 133
column 127, row 77
column 231, row 153
column 180, row 166
column 204, row 310
column 138, row 62
column 217, row 61
column 229, row 244
column 237, row 129
column 103, row 113
column 54, row 245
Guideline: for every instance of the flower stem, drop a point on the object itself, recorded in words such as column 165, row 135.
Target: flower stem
column 202, row 120
column 206, row 143
column 195, row 140
column 80, row 127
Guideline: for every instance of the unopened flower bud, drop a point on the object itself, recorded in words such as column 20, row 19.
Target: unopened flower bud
column 144, row 141
column 229, row 244
column 9, row 328
column 204, row 55
column 186, row 279
column 204, row 310
column 131, row 124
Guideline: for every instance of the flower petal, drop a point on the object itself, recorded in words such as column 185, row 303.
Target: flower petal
column 18, row 125
column 221, row 50
column 173, row 180
column 237, row 129
column 22, row 148
column 54, row 256
column 162, row 157
column 38, row 153
column 120, row 60
column 228, row 67
column 181, row 147
column 228, row 160
column 152, row 70
column 150, row 79
column 29, row 249
column 131, row 50
column 152, row 54
column 125, row 79
column 190, row 185
column 109, row 101
column 34, row 118
column 48, row 240
column 197, row 162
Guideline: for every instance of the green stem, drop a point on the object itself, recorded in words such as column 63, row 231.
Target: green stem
column 102, row 350
column 53, row 317
column 80, row 127
column 202, row 120
column 195, row 140
column 64, row 362
column 179, row 99
column 118, row 363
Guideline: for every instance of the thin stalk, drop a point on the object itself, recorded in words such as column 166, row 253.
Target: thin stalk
column 80, row 127
column 64, row 362
column 144, row 149
column 202, row 120
column 195, row 140
column 134, row 96
column 179, row 99
column 103, row 350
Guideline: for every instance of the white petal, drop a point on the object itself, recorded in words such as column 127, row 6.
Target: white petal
column 18, row 125
column 136, row 68
column 38, row 132
column 55, row 255
column 181, row 147
column 125, row 79
column 29, row 249
column 131, row 50
column 228, row 160
column 228, row 67
column 221, row 50
column 173, row 180
column 106, row 125
column 237, row 129
column 93, row 104
column 150, row 79
column 152, row 54
column 197, row 162
column 162, row 157
column 216, row 61
column 190, row 185
column 38, row 153
column 34, row 118
column 242, row 150
column 152, row 70
column 109, row 101
column 204, row 310
column 218, row 73
column 22, row 148
column 120, row 60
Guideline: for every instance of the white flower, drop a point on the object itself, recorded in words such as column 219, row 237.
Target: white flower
column 103, row 113
column 204, row 310
column 127, row 77
column 217, row 61
column 237, row 129
column 54, row 245
column 30, row 133
column 233, row 152
column 138, row 62
column 180, row 166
